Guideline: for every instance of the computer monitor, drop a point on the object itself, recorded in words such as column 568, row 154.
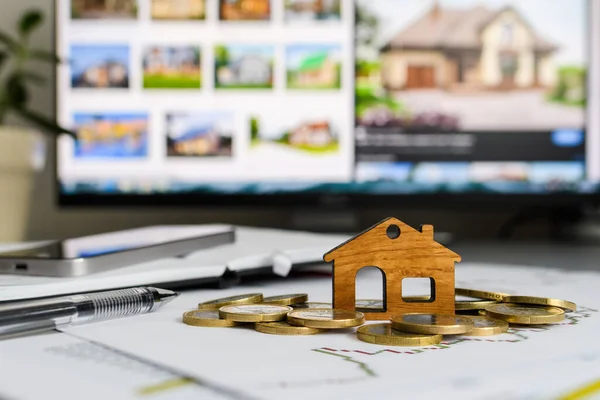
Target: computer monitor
column 301, row 101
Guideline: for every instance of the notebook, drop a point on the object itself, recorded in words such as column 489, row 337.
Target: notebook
column 256, row 251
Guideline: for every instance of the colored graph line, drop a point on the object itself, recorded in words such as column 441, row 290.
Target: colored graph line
column 165, row 386
column 518, row 334
column 361, row 365
column 583, row 392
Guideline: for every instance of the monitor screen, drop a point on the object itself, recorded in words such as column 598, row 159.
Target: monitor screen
column 373, row 97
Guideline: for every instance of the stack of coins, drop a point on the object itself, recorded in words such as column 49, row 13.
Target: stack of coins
column 484, row 313
column 289, row 314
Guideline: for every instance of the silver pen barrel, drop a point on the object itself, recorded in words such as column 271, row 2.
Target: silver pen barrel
column 113, row 304
column 28, row 316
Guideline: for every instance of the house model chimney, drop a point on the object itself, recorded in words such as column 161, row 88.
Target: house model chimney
column 427, row 230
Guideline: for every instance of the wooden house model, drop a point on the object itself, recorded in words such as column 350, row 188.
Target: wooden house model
column 399, row 252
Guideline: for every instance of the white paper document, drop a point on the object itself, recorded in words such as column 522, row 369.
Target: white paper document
column 541, row 362
column 253, row 248
column 58, row 365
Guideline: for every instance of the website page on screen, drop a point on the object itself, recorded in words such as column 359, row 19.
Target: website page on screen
column 363, row 96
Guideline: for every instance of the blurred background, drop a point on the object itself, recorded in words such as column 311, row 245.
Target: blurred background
column 323, row 115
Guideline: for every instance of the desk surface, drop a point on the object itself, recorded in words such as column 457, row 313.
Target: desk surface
column 240, row 363
column 156, row 355
column 577, row 257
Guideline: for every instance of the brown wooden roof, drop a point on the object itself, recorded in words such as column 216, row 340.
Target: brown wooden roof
column 432, row 249
column 451, row 28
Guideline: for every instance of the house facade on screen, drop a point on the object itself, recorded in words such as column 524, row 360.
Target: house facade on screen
column 399, row 252
column 468, row 48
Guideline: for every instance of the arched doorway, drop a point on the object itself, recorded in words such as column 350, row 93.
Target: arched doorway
column 370, row 293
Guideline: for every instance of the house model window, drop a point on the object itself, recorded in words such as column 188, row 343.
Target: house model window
column 400, row 252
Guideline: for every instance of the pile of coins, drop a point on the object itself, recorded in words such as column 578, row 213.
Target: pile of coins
column 488, row 313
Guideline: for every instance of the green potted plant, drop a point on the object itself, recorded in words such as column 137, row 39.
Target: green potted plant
column 22, row 150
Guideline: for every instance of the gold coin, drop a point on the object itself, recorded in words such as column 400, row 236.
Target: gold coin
column 286, row 299
column 249, row 298
column 480, row 294
column 441, row 324
column 384, row 334
column 283, row 328
column 208, row 318
column 311, row 305
column 326, row 318
column 254, row 312
column 527, row 315
column 464, row 305
column 568, row 306
column 484, row 326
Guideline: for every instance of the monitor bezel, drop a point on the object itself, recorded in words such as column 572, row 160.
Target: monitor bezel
column 498, row 200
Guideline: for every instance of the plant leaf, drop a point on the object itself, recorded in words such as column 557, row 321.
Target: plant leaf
column 16, row 92
column 29, row 21
column 11, row 43
column 3, row 57
column 43, row 122
column 44, row 56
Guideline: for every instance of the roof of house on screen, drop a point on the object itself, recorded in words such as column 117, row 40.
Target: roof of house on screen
column 194, row 133
column 313, row 62
column 183, row 126
column 456, row 28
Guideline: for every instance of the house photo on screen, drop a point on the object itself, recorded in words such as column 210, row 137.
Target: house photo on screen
column 178, row 9
column 294, row 136
column 244, row 66
column 245, row 10
column 313, row 66
column 104, row 9
column 313, row 10
column 171, row 67
column 99, row 66
column 111, row 135
column 471, row 65
column 200, row 134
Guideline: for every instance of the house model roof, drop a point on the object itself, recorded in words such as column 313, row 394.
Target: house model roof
column 431, row 249
column 456, row 29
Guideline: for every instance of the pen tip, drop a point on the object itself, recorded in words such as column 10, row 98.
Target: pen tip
column 165, row 295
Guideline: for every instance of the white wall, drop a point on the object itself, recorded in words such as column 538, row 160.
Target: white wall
column 47, row 220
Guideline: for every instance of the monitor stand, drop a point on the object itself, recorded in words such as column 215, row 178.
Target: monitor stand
column 347, row 222
column 326, row 221
column 571, row 224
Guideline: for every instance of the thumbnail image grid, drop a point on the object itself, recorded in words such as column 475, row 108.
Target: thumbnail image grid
column 200, row 134
column 293, row 134
column 244, row 66
column 462, row 174
column 104, row 9
column 314, row 66
column 106, row 134
column 245, row 10
column 178, row 9
column 99, row 66
column 172, row 67
column 312, row 10
column 111, row 135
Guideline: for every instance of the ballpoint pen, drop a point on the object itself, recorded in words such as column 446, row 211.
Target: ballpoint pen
column 46, row 314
